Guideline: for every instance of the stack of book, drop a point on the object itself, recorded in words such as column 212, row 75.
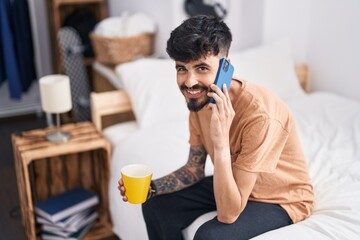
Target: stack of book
column 69, row 215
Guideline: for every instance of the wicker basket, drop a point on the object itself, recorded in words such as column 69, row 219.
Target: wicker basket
column 109, row 50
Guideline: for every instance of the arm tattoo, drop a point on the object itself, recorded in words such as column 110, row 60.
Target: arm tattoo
column 192, row 172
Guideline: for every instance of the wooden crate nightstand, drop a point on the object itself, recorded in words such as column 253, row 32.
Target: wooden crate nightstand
column 44, row 169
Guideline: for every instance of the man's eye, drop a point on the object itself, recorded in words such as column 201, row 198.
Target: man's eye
column 202, row 69
column 180, row 69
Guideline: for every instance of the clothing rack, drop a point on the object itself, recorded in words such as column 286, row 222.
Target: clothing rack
column 29, row 103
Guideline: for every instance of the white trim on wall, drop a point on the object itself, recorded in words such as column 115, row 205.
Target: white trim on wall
column 41, row 38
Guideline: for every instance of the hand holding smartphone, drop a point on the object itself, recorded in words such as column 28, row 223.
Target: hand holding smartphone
column 224, row 75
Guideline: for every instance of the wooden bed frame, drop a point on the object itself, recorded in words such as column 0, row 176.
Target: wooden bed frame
column 108, row 103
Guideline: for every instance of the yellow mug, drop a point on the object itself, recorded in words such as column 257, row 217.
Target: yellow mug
column 136, row 178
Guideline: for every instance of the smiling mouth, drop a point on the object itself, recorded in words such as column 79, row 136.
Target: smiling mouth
column 194, row 91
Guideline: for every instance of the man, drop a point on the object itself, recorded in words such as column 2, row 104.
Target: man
column 260, row 180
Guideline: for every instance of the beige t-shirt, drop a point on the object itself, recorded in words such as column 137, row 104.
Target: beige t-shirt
column 263, row 139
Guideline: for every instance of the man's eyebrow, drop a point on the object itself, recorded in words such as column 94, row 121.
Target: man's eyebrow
column 201, row 65
column 179, row 65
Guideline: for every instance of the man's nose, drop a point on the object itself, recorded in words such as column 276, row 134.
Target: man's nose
column 191, row 80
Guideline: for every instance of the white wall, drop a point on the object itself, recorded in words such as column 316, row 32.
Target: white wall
column 334, row 46
column 326, row 35
column 244, row 19
column 288, row 18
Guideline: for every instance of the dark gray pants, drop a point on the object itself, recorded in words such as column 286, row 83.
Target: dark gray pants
column 167, row 215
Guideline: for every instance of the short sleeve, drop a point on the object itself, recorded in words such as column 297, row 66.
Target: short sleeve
column 261, row 146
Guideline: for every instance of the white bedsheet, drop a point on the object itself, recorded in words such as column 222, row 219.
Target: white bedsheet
column 329, row 128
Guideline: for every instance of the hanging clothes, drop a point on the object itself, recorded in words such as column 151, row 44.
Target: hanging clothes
column 17, row 54
column 9, row 69
column 23, row 41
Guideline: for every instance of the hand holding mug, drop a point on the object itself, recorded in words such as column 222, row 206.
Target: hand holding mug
column 122, row 189
column 134, row 184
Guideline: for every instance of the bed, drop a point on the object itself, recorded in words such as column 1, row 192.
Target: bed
column 328, row 124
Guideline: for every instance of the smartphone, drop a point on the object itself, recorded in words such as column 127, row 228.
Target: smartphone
column 224, row 75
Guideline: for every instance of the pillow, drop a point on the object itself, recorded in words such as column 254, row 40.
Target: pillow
column 270, row 66
column 153, row 90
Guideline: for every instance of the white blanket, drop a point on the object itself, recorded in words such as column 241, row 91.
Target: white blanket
column 329, row 128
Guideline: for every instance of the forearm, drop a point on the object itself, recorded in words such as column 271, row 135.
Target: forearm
column 180, row 179
column 227, row 195
column 189, row 174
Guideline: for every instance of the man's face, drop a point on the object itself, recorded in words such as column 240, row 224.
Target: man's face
column 194, row 79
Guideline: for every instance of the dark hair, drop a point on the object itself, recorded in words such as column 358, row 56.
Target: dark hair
column 198, row 37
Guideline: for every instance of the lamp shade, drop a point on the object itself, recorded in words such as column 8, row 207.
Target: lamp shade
column 55, row 93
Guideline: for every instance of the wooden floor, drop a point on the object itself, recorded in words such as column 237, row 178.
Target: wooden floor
column 10, row 215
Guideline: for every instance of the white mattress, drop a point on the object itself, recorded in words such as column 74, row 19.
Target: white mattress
column 329, row 128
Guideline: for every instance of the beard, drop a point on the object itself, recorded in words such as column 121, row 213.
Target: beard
column 196, row 104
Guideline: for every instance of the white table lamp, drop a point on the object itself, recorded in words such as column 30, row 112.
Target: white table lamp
column 56, row 98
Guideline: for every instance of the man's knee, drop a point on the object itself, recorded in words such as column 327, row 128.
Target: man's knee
column 206, row 232
column 201, row 234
